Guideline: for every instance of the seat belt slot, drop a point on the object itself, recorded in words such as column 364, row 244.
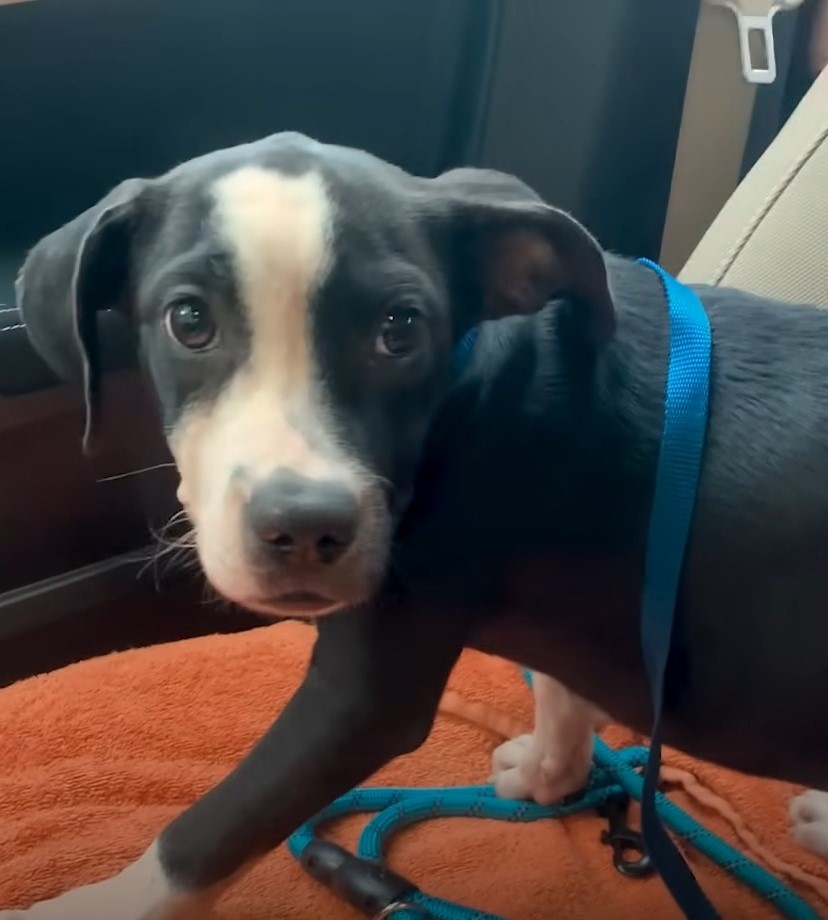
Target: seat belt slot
column 754, row 19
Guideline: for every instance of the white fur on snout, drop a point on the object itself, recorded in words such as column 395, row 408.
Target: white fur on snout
column 555, row 760
column 809, row 821
column 141, row 892
column 271, row 415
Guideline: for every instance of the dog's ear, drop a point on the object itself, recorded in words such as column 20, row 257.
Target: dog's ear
column 514, row 253
column 68, row 277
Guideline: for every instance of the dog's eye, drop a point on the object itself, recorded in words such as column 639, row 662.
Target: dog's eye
column 190, row 322
column 401, row 333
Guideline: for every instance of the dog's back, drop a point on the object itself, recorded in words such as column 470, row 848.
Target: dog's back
column 756, row 583
column 547, row 465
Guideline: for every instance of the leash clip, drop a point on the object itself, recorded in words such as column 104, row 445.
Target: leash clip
column 624, row 840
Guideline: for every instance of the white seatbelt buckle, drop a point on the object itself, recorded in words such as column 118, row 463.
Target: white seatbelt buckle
column 756, row 45
column 763, row 70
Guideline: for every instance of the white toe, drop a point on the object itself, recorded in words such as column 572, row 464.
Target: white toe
column 511, row 753
column 522, row 769
column 809, row 821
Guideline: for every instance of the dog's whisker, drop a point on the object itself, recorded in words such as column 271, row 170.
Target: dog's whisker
column 128, row 473
column 177, row 517
column 180, row 517
column 162, row 563
column 173, row 551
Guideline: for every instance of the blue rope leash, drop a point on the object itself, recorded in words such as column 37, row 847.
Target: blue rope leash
column 615, row 773
column 371, row 886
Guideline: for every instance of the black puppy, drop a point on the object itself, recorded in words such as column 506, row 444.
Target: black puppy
column 298, row 307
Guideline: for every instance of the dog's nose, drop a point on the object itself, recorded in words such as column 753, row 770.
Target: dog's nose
column 313, row 520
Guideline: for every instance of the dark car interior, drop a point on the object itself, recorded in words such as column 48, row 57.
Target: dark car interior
column 582, row 100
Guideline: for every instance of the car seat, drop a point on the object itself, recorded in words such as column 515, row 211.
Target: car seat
column 771, row 236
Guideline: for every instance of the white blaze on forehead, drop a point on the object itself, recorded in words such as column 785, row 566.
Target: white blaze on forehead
column 271, row 413
column 278, row 229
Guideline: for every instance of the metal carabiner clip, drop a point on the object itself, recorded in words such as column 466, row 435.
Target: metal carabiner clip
column 624, row 840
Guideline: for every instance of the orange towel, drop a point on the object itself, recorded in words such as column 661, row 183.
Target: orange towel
column 97, row 758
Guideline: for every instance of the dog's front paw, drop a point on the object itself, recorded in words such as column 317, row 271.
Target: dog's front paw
column 524, row 769
column 809, row 821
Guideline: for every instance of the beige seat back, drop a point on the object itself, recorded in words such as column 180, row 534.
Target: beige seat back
column 771, row 237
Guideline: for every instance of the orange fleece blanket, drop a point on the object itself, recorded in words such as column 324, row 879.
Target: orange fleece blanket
column 98, row 757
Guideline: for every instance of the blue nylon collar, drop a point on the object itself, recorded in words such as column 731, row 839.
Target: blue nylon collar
column 686, row 404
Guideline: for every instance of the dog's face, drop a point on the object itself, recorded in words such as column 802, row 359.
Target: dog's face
column 296, row 306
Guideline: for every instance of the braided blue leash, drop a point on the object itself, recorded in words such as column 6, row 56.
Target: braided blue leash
column 615, row 773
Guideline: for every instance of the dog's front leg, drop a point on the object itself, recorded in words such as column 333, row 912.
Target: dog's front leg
column 370, row 694
column 555, row 760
